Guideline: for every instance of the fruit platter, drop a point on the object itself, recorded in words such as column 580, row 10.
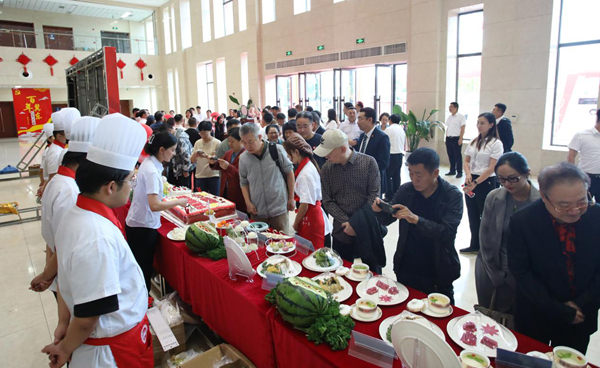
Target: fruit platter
column 323, row 260
column 339, row 288
column 385, row 328
column 279, row 265
column 283, row 246
column 382, row 289
column 478, row 332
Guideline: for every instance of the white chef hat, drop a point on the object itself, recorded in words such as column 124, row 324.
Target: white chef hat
column 58, row 121
column 82, row 133
column 117, row 143
column 48, row 129
column 69, row 114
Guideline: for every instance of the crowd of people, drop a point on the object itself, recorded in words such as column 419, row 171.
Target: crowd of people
column 537, row 256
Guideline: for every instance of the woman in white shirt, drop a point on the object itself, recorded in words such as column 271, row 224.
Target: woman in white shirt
column 311, row 222
column 143, row 219
column 332, row 120
column 480, row 160
column 384, row 120
column 397, row 141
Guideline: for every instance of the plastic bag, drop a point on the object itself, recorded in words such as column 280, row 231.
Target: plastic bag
column 221, row 362
column 179, row 359
column 169, row 309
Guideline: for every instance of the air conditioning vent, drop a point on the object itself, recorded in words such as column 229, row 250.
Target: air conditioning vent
column 322, row 59
column 357, row 54
column 399, row 48
column 270, row 66
column 290, row 63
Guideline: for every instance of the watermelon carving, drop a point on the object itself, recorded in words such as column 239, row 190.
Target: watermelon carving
column 202, row 237
column 300, row 301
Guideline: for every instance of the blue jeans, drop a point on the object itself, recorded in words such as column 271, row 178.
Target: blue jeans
column 210, row 185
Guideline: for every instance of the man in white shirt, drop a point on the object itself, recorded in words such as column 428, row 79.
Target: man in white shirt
column 200, row 116
column 587, row 144
column 350, row 127
column 397, row 142
column 455, row 130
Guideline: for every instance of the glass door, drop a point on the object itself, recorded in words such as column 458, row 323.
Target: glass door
column 383, row 89
column 400, row 85
column 337, row 93
column 302, row 89
column 327, row 93
column 313, row 90
column 347, row 89
column 284, row 92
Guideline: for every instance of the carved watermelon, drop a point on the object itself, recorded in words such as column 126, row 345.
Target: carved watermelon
column 202, row 237
column 300, row 301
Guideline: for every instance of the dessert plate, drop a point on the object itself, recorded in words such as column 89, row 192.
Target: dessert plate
column 504, row 337
column 427, row 311
column 383, row 297
column 355, row 315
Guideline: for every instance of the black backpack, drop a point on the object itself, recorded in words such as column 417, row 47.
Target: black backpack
column 275, row 156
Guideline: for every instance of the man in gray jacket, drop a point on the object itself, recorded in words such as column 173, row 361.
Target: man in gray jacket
column 267, row 186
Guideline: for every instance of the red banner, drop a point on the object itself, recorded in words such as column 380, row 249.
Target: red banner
column 33, row 108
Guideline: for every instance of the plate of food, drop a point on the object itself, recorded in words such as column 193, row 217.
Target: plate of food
column 385, row 290
column 323, row 260
column 280, row 265
column 280, row 246
column 339, row 288
column 437, row 305
column 277, row 235
column 258, row 226
column 478, row 332
column 385, row 328
column 177, row 234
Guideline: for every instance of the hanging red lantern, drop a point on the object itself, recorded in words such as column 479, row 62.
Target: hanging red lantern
column 121, row 64
column 51, row 61
column 73, row 61
column 24, row 59
column 141, row 64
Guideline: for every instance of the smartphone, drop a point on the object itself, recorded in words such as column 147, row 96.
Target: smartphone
column 387, row 208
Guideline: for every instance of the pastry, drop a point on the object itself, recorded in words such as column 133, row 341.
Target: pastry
column 393, row 290
column 489, row 342
column 469, row 338
column 470, row 326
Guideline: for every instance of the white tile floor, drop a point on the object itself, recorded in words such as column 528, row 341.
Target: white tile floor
column 28, row 319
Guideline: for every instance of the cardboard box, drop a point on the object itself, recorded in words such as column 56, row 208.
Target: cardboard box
column 179, row 332
column 209, row 358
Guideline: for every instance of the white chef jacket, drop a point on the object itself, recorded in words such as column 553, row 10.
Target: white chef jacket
column 351, row 129
column 43, row 164
column 308, row 188
column 397, row 138
column 52, row 158
column 480, row 159
column 95, row 262
column 587, row 143
column 454, row 123
column 149, row 181
column 59, row 196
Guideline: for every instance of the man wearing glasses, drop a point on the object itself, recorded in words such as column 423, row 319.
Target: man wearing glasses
column 554, row 255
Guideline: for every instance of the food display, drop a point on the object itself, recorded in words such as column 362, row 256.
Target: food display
column 415, row 305
column 202, row 238
column 279, row 265
column 280, row 246
column 177, row 234
column 330, row 284
column 481, row 333
column 323, row 260
column 469, row 338
column 470, row 326
column 342, row 271
column 438, row 303
column 339, row 288
column 366, row 308
column 200, row 205
column 569, row 358
column 489, row 342
column 474, row 359
column 359, row 271
column 380, row 288
column 179, row 191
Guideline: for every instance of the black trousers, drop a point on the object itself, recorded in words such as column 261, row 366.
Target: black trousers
column 475, row 207
column 348, row 252
column 595, row 187
column 454, row 154
column 392, row 174
column 142, row 242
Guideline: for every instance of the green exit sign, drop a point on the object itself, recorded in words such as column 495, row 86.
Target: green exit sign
column 115, row 27
column 288, row 53
column 322, row 47
column 360, row 40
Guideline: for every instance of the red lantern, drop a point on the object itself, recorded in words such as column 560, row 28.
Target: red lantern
column 50, row 60
column 121, row 64
column 141, row 64
column 23, row 59
column 73, row 61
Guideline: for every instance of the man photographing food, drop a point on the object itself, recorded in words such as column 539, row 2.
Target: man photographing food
column 431, row 208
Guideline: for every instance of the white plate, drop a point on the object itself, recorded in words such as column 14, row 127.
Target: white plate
column 383, row 327
column 238, row 261
column 361, row 290
column 258, row 226
column 435, row 351
column 311, row 264
column 427, row 311
column 170, row 235
column 341, row 295
column 295, row 272
column 290, row 250
column 277, row 236
column 505, row 338
column 350, row 276
column 355, row 315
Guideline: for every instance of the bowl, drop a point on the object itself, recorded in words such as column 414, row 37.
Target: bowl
column 565, row 357
column 438, row 303
column 360, row 270
column 366, row 308
column 474, row 359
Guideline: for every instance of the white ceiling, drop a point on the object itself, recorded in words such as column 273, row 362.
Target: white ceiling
column 82, row 8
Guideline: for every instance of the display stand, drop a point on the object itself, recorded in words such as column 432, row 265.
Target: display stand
column 271, row 281
column 372, row 350
column 239, row 264
column 510, row 359
column 304, row 246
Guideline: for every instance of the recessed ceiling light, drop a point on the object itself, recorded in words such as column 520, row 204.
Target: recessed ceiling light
column 17, row 86
column 126, row 14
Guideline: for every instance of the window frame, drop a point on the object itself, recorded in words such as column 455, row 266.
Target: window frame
column 458, row 54
column 225, row 23
column 307, row 6
column 185, row 24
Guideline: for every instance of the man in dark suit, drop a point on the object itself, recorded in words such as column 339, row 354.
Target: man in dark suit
column 374, row 142
column 504, row 127
column 554, row 256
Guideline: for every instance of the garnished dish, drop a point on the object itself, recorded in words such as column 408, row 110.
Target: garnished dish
column 280, row 246
column 279, row 265
column 177, row 234
column 438, row 303
column 569, row 358
column 478, row 332
column 339, row 288
column 385, row 329
column 323, row 260
column 366, row 310
column 382, row 289
column 474, row 359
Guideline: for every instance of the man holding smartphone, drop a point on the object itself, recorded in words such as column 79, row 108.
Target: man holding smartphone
column 429, row 210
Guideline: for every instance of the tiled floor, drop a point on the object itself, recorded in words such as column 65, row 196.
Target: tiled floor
column 28, row 319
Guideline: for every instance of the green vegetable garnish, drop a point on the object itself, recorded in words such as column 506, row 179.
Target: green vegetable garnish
column 563, row 354
column 331, row 328
column 476, row 358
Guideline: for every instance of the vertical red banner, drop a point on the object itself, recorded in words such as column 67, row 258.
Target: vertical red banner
column 33, row 108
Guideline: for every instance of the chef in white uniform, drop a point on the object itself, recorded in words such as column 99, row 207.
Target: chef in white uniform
column 101, row 286
column 48, row 129
column 61, row 194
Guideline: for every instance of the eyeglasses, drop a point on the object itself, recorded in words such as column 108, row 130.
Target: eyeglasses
column 591, row 202
column 510, row 179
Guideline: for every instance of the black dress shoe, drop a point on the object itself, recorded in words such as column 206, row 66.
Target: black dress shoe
column 450, row 173
column 469, row 250
column 459, row 175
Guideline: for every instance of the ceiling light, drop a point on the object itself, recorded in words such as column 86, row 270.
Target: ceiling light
column 126, row 14
column 17, row 86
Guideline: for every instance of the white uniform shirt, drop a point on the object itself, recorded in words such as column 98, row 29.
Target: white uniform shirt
column 149, row 181
column 52, row 157
column 95, row 262
column 587, row 143
column 60, row 195
column 351, row 129
column 480, row 159
column 308, row 188
column 44, row 165
column 454, row 123
column 397, row 138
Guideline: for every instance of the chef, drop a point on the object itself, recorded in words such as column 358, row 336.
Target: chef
column 101, row 286
column 48, row 129
column 61, row 194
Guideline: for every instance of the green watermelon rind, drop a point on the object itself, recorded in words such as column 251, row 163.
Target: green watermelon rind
column 201, row 238
column 298, row 304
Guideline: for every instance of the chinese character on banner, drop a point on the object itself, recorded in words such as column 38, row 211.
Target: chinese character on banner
column 33, row 108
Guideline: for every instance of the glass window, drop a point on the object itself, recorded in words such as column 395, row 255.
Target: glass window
column 222, row 84
column 400, row 86
column 337, row 1
column 150, row 36
column 268, row 11
column 206, row 36
column 245, row 84
column 186, row 25
column 301, row 6
column 177, row 96
column 167, row 29
column 228, row 16
column 242, row 14
column 171, row 89
column 470, row 33
column 173, row 30
column 218, row 18
column 577, row 78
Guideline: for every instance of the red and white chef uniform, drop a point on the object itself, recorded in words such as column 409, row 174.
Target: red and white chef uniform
column 50, row 162
column 49, row 131
column 95, row 262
